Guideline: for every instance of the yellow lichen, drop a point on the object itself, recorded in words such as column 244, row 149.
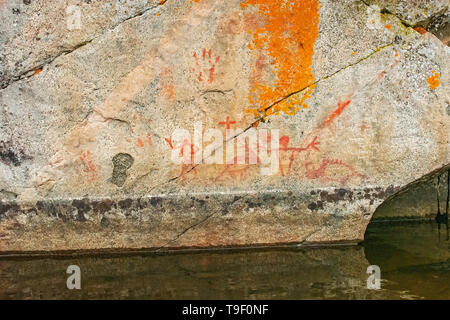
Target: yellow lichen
column 433, row 81
column 288, row 37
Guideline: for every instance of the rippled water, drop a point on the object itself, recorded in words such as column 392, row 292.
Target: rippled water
column 414, row 264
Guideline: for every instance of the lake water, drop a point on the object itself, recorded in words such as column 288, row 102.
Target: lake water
column 413, row 258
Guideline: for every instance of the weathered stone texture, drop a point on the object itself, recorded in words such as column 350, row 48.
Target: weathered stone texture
column 416, row 202
column 361, row 102
column 35, row 33
column 413, row 12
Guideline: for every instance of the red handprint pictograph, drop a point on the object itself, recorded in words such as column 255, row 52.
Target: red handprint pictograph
column 205, row 65
column 88, row 163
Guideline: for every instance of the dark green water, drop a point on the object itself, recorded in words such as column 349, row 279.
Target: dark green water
column 414, row 265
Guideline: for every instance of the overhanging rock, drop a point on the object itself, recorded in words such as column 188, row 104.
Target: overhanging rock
column 347, row 104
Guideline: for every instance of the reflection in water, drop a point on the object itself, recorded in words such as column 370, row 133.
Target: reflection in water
column 413, row 265
column 443, row 218
column 414, row 260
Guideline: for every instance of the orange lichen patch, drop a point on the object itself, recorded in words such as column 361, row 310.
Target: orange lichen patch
column 37, row 71
column 433, row 81
column 388, row 26
column 2, row 2
column 420, row 30
column 288, row 37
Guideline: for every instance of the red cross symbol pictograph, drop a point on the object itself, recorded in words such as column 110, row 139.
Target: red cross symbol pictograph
column 227, row 123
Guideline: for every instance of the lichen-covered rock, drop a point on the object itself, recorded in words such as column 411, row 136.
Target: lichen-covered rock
column 351, row 104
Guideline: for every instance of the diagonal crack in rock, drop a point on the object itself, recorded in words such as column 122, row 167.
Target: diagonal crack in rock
column 184, row 231
column 283, row 99
column 4, row 83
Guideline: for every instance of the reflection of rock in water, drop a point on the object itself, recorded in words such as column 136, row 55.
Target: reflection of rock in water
column 411, row 257
column 443, row 218
column 413, row 264
column 313, row 273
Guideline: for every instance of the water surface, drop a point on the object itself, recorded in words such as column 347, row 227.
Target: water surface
column 414, row 264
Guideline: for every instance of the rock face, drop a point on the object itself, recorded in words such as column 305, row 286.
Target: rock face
column 417, row 201
column 413, row 12
column 119, row 121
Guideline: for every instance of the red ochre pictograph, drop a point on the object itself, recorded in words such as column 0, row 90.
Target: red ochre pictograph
column 205, row 65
